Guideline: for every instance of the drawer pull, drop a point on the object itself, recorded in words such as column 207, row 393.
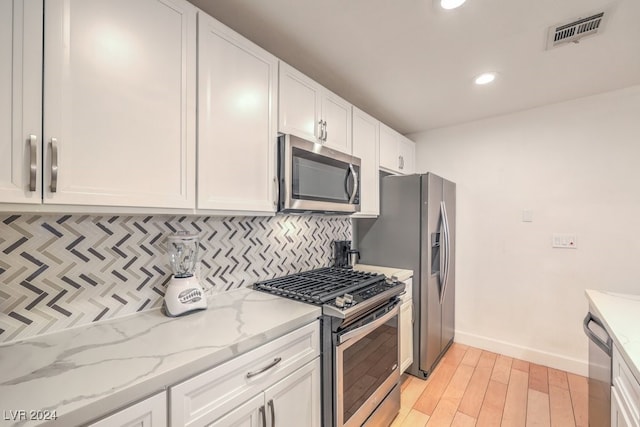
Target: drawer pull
column 266, row 368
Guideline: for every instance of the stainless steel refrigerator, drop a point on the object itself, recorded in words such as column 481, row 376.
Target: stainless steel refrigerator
column 416, row 230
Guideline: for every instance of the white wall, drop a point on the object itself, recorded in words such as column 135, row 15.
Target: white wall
column 576, row 165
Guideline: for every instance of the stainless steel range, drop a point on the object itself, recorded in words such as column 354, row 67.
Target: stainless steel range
column 360, row 341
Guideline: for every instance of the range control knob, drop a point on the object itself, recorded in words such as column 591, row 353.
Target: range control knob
column 340, row 302
column 348, row 299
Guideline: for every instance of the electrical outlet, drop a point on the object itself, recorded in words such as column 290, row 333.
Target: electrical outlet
column 564, row 241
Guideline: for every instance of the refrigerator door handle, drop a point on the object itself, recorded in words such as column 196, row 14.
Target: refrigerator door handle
column 446, row 249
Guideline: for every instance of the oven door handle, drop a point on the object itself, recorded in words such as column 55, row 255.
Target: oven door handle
column 365, row 329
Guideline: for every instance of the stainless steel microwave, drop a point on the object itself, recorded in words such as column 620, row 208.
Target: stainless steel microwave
column 315, row 179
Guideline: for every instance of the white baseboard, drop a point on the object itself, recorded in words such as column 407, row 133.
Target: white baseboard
column 552, row 360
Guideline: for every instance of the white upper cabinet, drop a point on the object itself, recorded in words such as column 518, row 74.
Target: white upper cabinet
column 312, row 112
column 20, row 101
column 237, row 123
column 366, row 140
column 336, row 117
column 397, row 153
column 119, row 103
column 299, row 104
column 407, row 152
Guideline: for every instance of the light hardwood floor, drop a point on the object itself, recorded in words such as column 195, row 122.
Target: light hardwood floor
column 472, row 387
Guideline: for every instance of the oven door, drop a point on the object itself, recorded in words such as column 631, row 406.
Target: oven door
column 314, row 178
column 367, row 367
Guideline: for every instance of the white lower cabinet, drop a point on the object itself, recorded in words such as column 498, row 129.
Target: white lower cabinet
column 293, row 402
column 625, row 394
column 151, row 412
column 277, row 381
column 406, row 327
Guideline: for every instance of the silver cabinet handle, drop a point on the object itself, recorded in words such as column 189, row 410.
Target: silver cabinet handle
column 263, row 414
column 54, row 165
column 325, row 131
column 321, row 130
column 273, row 412
column 266, row 368
column 33, row 162
column 276, row 192
column 400, row 162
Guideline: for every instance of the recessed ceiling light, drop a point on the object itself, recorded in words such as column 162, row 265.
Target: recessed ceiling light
column 485, row 78
column 451, row 4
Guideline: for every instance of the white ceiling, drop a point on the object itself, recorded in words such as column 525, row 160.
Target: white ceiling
column 412, row 65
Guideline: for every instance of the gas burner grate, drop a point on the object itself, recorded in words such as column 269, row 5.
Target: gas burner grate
column 319, row 286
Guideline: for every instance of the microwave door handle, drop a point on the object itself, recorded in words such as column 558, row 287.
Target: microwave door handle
column 346, row 183
column 355, row 183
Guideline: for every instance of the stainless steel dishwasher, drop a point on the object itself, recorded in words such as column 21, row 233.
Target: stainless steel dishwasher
column 600, row 350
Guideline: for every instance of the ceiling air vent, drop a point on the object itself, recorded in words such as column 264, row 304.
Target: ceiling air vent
column 574, row 31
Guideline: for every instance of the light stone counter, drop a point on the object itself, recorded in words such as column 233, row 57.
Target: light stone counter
column 85, row 372
column 621, row 316
column 390, row 272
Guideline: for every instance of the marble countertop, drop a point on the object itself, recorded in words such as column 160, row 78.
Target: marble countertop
column 84, row 372
column 621, row 316
column 400, row 274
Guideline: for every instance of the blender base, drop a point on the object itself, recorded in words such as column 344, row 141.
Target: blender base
column 183, row 295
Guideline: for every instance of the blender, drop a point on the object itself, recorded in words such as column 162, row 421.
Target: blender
column 184, row 293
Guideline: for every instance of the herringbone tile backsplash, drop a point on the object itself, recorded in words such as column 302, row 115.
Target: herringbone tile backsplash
column 61, row 271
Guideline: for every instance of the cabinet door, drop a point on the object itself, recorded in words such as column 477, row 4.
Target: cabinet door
column 366, row 146
column 151, row 412
column 20, row 100
column 406, row 334
column 237, row 86
column 119, row 103
column 619, row 414
column 336, row 112
column 407, row 152
column 389, row 153
column 299, row 104
column 295, row 401
column 249, row 414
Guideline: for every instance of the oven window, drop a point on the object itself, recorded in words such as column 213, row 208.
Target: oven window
column 367, row 364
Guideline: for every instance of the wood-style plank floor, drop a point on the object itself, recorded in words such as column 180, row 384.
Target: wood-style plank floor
column 472, row 387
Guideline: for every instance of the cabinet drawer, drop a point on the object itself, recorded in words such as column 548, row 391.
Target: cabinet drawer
column 206, row 397
column 626, row 385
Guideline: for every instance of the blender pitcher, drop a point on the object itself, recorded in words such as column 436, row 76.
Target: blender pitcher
column 184, row 293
